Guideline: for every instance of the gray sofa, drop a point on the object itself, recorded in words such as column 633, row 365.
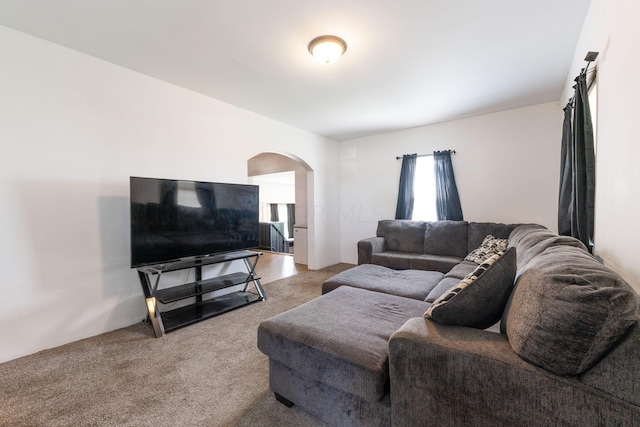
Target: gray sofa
column 563, row 352
column 426, row 245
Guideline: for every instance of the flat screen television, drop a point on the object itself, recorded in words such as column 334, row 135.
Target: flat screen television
column 174, row 219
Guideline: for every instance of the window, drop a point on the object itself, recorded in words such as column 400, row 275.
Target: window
column 283, row 215
column 593, row 107
column 424, row 189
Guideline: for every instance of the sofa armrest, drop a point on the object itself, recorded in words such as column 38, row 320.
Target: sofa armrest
column 368, row 247
column 452, row 375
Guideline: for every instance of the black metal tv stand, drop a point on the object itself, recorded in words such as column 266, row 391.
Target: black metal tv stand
column 166, row 321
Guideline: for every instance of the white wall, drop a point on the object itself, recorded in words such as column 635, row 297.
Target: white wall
column 276, row 188
column 73, row 129
column 506, row 166
column 611, row 28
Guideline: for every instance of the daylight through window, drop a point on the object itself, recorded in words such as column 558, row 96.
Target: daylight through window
column 424, row 189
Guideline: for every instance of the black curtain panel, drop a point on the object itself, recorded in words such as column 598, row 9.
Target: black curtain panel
column 291, row 214
column 404, row 207
column 566, row 158
column 578, row 171
column 447, row 198
column 274, row 212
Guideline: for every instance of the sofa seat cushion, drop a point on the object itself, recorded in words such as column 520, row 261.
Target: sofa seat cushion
column 340, row 338
column 406, row 261
column 392, row 259
column 416, row 284
column 442, row 287
column 567, row 311
column 451, row 279
column 461, row 270
column 439, row 263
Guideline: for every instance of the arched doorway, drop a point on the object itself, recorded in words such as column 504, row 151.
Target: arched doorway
column 267, row 163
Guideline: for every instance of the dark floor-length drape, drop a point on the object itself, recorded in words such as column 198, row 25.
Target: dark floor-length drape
column 404, row 207
column 273, row 207
column 447, row 198
column 291, row 217
column 566, row 158
column 576, row 210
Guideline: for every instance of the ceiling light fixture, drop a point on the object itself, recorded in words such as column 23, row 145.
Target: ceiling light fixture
column 327, row 49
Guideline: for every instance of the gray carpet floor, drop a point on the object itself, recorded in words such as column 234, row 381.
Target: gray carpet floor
column 207, row 374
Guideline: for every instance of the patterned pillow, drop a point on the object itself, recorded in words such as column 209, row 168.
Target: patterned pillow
column 490, row 246
column 479, row 299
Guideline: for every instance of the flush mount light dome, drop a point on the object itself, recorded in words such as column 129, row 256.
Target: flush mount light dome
column 327, row 49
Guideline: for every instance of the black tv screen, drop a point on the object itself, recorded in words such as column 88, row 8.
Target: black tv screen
column 176, row 219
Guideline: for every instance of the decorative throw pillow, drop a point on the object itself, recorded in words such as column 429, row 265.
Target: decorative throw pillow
column 490, row 246
column 479, row 299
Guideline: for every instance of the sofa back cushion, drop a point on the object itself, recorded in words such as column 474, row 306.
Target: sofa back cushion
column 532, row 240
column 447, row 238
column 479, row 230
column 567, row 311
column 523, row 230
column 402, row 235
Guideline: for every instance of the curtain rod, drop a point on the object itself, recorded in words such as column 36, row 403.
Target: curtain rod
column 589, row 58
column 425, row 155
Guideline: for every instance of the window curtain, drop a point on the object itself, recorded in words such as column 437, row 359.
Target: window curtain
column 273, row 207
column 566, row 156
column 447, row 197
column 577, row 175
column 291, row 216
column 404, row 206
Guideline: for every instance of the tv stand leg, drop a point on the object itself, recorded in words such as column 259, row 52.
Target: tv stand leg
column 154, row 317
column 251, row 267
column 152, row 305
column 286, row 402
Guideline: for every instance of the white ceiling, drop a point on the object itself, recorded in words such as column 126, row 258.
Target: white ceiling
column 408, row 62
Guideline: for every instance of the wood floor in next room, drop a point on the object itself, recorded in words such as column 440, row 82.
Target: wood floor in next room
column 275, row 265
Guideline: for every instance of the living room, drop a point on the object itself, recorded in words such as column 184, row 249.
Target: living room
column 75, row 127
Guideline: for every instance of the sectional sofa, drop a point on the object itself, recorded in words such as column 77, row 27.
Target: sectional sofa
column 539, row 333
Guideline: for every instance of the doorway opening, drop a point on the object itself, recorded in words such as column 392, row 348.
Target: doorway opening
column 286, row 203
column 277, row 209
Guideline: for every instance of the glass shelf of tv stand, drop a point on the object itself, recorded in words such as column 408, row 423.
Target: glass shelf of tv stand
column 184, row 316
column 198, row 261
column 165, row 321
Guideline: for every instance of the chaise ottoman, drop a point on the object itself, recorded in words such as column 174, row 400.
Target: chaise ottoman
column 415, row 284
column 341, row 377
